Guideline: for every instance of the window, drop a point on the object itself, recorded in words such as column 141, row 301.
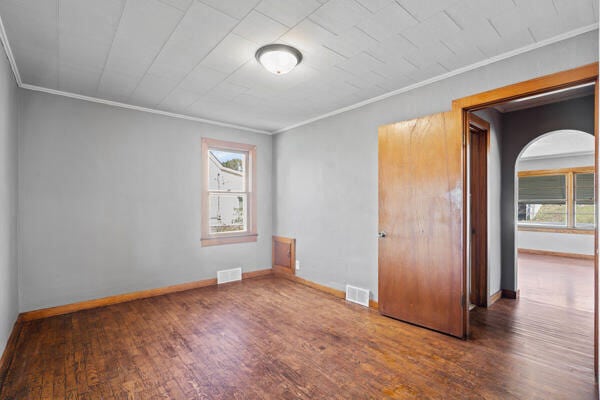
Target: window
column 557, row 199
column 584, row 201
column 543, row 200
column 229, row 210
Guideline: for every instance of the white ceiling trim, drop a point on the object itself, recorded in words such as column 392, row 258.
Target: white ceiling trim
column 138, row 108
column 500, row 57
column 9, row 54
column 491, row 60
column 15, row 70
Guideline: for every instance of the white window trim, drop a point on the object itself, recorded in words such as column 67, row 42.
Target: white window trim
column 250, row 235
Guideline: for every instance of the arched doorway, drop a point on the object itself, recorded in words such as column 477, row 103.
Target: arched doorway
column 555, row 220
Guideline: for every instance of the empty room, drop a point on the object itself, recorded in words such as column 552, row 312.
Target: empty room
column 299, row 199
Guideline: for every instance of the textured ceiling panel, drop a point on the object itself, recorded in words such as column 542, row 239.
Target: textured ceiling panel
column 196, row 57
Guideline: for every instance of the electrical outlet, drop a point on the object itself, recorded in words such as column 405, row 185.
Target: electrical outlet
column 297, row 265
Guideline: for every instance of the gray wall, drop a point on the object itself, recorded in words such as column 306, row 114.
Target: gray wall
column 8, row 201
column 326, row 171
column 494, row 196
column 109, row 201
column 519, row 129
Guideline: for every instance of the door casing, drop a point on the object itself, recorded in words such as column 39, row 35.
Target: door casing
column 462, row 107
column 479, row 141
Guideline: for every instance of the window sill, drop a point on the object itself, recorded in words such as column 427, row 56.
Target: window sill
column 219, row 240
column 557, row 229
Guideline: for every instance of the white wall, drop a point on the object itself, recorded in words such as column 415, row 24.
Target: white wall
column 8, row 202
column 494, row 210
column 549, row 241
column 326, row 171
column 559, row 242
column 110, row 201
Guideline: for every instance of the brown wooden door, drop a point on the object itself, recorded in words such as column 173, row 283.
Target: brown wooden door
column 479, row 138
column 421, row 276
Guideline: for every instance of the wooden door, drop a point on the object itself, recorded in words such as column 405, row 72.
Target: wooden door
column 421, row 274
column 478, row 182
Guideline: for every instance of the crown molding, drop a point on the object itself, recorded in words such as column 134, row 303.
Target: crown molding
column 488, row 61
column 15, row 70
column 138, row 108
column 479, row 64
column 9, row 54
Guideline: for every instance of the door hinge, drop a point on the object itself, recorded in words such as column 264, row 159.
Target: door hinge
column 463, row 300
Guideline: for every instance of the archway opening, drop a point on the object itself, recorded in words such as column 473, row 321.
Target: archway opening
column 555, row 220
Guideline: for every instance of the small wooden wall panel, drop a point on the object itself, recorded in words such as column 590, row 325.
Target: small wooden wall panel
column 284, row 254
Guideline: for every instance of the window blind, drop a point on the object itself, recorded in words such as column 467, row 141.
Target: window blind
column 584, row 188
column 549, row 189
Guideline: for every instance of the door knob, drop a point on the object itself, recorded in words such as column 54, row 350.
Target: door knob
column 381, row 235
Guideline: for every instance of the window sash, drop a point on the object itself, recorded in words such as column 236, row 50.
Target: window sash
column 552, row 194
column 224, row 196
column 245, row 193
column 209, row 237
column 584, row 188
column 245, row 175
column 545, row 217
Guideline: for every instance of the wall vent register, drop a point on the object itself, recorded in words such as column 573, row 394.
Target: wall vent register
column 357, row 295
column 229, row 275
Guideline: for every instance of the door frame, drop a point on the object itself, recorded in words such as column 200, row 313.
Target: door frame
column 481, row 269
column 461, row 107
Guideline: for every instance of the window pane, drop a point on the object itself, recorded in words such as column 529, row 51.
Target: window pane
column 584, row 216
column 227, row 213
column 543, row 214
column 584, row 201
column 584, row 188
column 227, row 170
column 550, row 189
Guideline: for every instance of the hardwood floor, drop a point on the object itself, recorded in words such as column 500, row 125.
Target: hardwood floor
column 276, row 339
column 560, row 281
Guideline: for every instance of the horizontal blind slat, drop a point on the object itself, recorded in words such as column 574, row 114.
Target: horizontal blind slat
column 584, row 188
column 549, row 189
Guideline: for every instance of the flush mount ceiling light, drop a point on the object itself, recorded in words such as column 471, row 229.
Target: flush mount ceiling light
column 278, row 58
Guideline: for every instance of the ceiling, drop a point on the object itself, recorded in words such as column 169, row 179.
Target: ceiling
column 196, row 58
column 564, row 142
column 546, row 98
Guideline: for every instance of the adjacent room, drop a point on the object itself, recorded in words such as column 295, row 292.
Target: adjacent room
column 299, row 199
column 538, row 165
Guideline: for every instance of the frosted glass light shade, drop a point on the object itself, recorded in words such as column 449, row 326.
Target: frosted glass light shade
column 278, row 59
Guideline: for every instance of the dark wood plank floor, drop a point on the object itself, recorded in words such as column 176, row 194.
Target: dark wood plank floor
column 275, row 339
